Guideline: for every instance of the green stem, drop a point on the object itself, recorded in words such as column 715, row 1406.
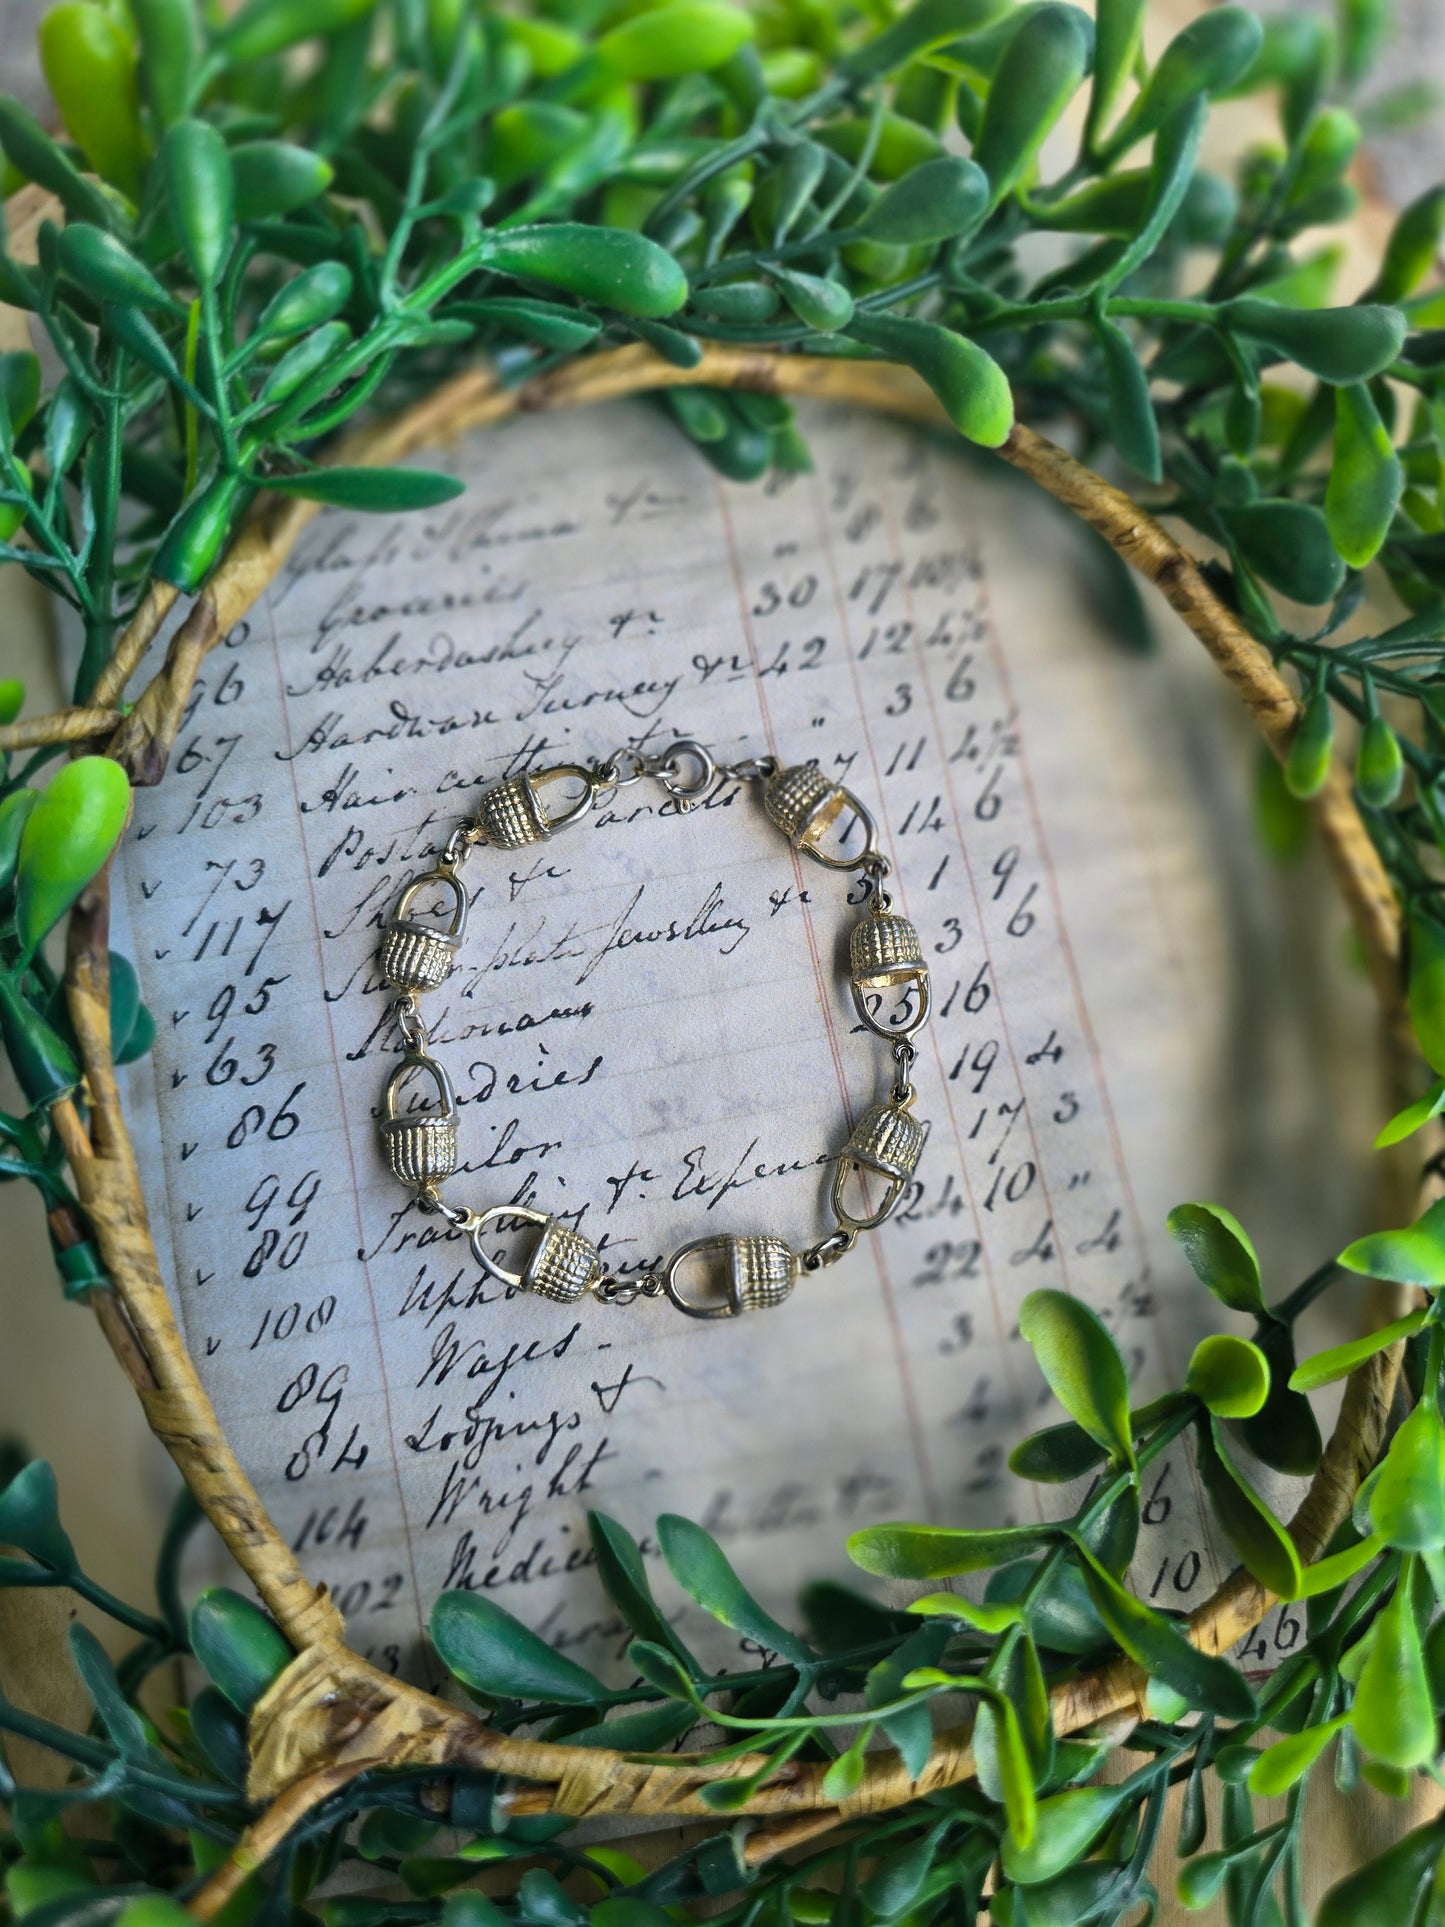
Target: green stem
column 1303, row 1296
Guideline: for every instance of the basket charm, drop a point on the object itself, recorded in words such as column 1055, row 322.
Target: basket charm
column 885, row 955
column 421, row 1149
column 744, row 1273
column 805, row 804
column 512, row 815
column 414, row 956
column 562, row 1265
column 886, row 1143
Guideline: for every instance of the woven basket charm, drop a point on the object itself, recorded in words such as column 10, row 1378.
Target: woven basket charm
column 414, row 956
column 806, row 805
column 738, row 1274
column 562, row 1264
column 422, row 1148
column 885, row 958
column 886, row 1143
column 513, row 815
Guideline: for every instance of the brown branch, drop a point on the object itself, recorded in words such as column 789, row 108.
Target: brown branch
column 330, row 1715
column 137, row 636
column 65, row 726
column 261, row 1840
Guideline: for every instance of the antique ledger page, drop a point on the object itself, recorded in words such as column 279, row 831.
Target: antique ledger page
column 649, row 1027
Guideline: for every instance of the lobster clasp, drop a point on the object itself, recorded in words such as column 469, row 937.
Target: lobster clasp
column 887, row 1143
column 805, row 804
column 513, row 814
column 885, row 958
column 420, row 1148
column 562, row 1265
column 414, row 956
column 754, row 1274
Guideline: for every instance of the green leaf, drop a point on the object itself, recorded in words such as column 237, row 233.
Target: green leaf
column 935, row 201
column 1289, row 545
column 896, row 1882
column 1176, row 154
column 468, row 1908
column 1131, row 412
column 1266, row 1549
column 1207, row 57
column 1063, row 1619
column 314, row 296
column 953, row 1605
column 682, row 37
column 621, row 1570
column 1414, row 1255
column 1284, row 1433
column 1015, row 1773
column 1426, row 994
column 1366, row 478
column 824, row 305
column 1413, row 247
column 1338, row 344
column 43, row 1062
column 1156, row 1643
column 122, row 1724
column 89, row 63
column 1082, row 1365
column 489, row 1650
column 272, row 178
column 1311, row 747
column 700, row 1566
column 1340, row 1360
column 972, row 387
column 14, row 814
column 1056, row 1454
column 1328, row 1575
column 241, row 1647
column 1042, row 69
column 97, row 262
column 1379, row 762
column 1118, row 35
column 68, row 837
column 651, row 1731
column 845, row 1775
column 547, row 322
column 1407, row 1507
column 1220, row 1253
column 20, row 395
column 264, row 27
column 30, row 1518
column 1230, row 1375
column 939, row 1552
column 911, row 1730
column 169, row 55
column 1066, row 1825
column 1199, row 1880
column 1387, row 1890
column 379, row 491
column 661, row 1668
column 1404, row 1123
column 201, row 192
column 32, row 152
column 1392, row 1717
column 919, row 31
column 611, row 267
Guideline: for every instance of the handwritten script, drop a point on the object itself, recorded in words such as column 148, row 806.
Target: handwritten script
column 649, row 1027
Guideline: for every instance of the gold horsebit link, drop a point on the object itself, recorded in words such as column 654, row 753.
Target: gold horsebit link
column 728, row 1273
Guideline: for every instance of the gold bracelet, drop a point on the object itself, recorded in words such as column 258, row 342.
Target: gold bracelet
column 739, row 1273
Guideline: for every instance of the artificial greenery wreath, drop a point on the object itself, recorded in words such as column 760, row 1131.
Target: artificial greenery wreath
column 261, row 224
